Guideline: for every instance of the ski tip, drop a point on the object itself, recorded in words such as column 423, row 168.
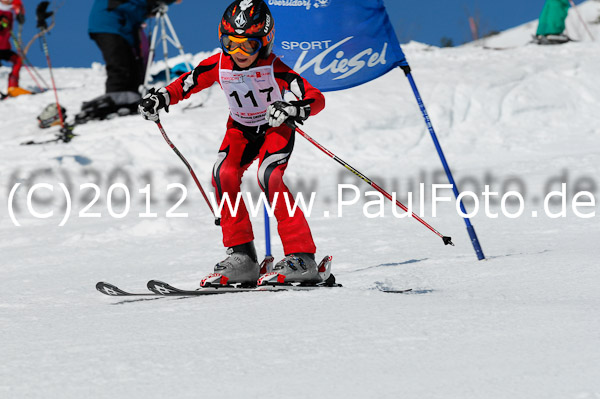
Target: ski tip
column 109, row 289
column 390, row 291
column 447, row 240
column 162, row 288
column 153, row 283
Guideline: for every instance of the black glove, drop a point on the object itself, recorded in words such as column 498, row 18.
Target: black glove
column 21, row 18
column 152, row 102
column 43, row 14
column 295, row 111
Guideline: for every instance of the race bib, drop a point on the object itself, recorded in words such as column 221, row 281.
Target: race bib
column 249, row 93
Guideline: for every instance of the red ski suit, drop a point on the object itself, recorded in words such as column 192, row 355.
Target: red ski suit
column 248, row 137
column 6, row 54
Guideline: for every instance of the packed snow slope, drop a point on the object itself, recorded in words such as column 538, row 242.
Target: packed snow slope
column 574, row 28
column 522, row 324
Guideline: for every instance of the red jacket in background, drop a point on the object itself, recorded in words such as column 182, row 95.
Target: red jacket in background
column 7, row 13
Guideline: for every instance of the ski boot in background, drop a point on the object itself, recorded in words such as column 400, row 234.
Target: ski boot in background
column 240, row 267
column 551, row 39
column 50, row 116
column 16, row 91
column 108, row 106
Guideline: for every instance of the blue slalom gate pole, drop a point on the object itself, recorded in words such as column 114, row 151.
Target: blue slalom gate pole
column 267, row 263
column 470, row 228
column 267, row 234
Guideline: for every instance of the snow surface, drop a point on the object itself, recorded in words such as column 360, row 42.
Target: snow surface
column 574, row 28
column 525, row 323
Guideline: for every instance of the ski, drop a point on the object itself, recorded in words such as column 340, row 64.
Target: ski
column 165, row 289
column 113, row 290
column 160, row 288
column 394, row 291
column 65, row 135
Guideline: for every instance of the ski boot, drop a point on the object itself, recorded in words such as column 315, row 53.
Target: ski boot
column 551, row 39
column 108, row 106
column 240, row 267
column 16, row 91
column 50, row 116
column 294, row 268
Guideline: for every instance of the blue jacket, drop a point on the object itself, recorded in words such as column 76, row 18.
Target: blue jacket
column 124, row 20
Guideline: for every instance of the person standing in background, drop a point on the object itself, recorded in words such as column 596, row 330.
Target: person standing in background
column 115, row 26
column 551, row 25
column 7, row 9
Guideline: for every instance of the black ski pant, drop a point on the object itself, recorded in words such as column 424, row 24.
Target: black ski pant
column 124, row 68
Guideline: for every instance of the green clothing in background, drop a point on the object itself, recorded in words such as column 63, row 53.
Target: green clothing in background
column 552, row 20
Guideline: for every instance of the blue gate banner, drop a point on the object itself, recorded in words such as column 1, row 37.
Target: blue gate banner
column 336, row 44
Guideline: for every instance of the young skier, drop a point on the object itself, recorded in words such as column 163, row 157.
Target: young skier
column 254, row 81
column 115, row 25
column 7, row 8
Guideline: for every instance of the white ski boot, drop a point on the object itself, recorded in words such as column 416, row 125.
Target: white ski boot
column 297, row 268
column 240, row 267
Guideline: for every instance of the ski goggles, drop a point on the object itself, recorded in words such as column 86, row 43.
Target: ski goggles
column 245, row 45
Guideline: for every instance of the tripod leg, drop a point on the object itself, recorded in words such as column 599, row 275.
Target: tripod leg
column 175, row 41
column 165, row 47
column 150, row 59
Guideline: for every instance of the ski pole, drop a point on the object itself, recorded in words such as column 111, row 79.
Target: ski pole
column 42, row 15
column 582, row 21
column 438, row 147
column 19, row 47
column 187, row 164
column 60, row 114
column 447, row 240
column 28, row 64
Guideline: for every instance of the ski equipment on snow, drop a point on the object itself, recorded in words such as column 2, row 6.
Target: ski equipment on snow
column 265, row 283
column 33, row 72
column 241, row 266
column 159, row 289
column 105, row 107
column 50, row 116
column 292, row 263
column 43, row 14
column 65, row 135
